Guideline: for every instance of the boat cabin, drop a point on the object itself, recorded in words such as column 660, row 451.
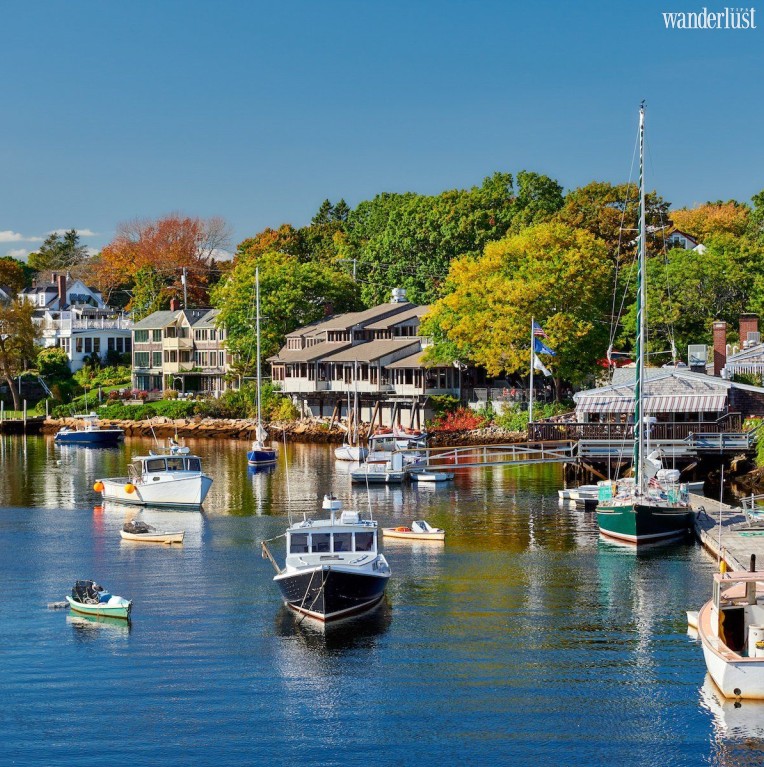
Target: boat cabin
column 159, row 464
column 328, row 539
column 737, row 614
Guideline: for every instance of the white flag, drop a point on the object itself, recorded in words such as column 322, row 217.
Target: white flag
column 539, row 365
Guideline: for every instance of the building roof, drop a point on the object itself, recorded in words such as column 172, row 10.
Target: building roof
column 371, row 351
column 310, row 354
column 352, row 319
column 157, row 320
column 196, row 318
column 311, row 329
column 410, row 314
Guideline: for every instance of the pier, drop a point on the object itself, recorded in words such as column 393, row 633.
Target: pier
column 739, row 537
column 513, row 454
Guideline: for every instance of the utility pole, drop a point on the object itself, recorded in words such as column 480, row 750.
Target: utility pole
column 185, row 289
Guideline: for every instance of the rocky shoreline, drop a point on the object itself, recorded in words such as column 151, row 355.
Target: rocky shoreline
column 310, row 431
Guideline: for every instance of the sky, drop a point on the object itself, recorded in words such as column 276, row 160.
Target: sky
column 258, row 111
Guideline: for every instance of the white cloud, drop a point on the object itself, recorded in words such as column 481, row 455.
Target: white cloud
column 7, row 235
column 21, row 253
column 80, row 232
column 221, row 255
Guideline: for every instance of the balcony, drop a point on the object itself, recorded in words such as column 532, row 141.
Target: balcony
column 178, row 344
column 178, row 367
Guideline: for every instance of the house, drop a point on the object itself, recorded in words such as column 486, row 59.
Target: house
column 180, row 349
column 75, row 318
column 679, row 239
column 377, row 352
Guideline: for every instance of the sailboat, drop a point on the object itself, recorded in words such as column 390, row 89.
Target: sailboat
column 259, row 455
column 651, row 506
column 351, row 450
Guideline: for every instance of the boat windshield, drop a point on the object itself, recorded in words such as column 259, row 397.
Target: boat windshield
column 323, row 543
column 173, row 463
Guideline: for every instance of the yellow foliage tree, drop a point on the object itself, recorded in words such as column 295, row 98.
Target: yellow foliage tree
column 712, row 219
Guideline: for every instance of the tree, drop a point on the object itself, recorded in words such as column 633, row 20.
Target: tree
column 59, row 252
column 292, row 294
column 148, row 293
column 167, row 245
column 538, row 199
column 14, row 275
column 711, row 219
column 53, row 362
column 324, row 214
column 556, row 274
column 17, row 343
column 341, row 211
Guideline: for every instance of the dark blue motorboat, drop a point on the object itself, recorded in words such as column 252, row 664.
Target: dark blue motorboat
column 90, row 433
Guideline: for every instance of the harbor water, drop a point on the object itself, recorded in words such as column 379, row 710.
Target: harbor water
column 525, row 639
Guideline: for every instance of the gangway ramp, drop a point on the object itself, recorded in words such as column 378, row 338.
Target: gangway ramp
column 476, row 456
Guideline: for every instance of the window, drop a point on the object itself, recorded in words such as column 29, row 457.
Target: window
column 155, row 464
column 141, row 336
column 213, row 334
column 119, row 345
column 298, row 543
column 364, row 541
column 194, row 464
column 78, row 345
column 128, row 345
column 96, row 345
column 156, row 335
column 174, row 464
column 66, row 344
column 343, row 541
column 110, row 344
column 88, row 345
column 141, row 359
column 156, row 359
column 320, row 542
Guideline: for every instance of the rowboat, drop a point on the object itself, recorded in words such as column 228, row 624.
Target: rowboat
column 140, row 531
column 419, row 531
column 89, row 598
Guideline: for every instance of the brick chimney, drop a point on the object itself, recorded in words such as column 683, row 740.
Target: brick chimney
column 61, row 284
column 749, row 323
column 720, row 347
column 174, row 305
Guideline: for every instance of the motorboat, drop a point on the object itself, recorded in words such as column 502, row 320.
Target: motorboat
column 382, row 446
column 89, row 598
column 419, row 531
column 432, row 476
column 580, row 493
column 388, row 472
column 140, row 531
column 170, row 478
column 333, row 567
column 90, row 433
column 731, row 630
column 348, row 452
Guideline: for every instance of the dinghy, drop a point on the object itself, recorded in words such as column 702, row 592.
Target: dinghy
column 432, row 476
column 140, row 531
column 89, row 598
column 419, row 531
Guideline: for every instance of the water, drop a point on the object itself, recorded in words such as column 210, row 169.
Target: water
column 524, row 640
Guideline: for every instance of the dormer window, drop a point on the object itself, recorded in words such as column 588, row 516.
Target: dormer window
column 41, row 299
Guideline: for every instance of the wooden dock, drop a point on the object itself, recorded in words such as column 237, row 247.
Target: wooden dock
column 513, row 454
column 738, row 541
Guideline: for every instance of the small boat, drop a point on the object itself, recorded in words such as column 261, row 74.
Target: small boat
column 351, row 449
column 580, row 493
column 731, row 630
column 140, row 531
column 89, row 434
column 387, row 472
column 419, row 531
column 333, row 566
column 348, row 452
column 259, row 454
column 89, row 598
column 432, row 476
column 169, row 478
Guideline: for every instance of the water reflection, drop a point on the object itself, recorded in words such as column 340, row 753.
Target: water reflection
column 89, row 628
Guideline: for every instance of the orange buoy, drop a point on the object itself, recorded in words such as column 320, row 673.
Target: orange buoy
column 98, row 486
column 129, row 487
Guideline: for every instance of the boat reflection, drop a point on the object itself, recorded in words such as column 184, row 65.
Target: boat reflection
column 109, row 517
column 358, row 631
column 252, row 470
column 739, row 725
column 91, row 627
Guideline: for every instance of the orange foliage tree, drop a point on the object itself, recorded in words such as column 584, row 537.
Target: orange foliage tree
column 705, row 221
column 165, row 245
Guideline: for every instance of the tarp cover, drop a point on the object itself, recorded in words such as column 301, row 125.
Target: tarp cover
column 86, row 592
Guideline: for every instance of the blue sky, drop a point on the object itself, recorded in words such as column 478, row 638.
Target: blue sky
column 258, row 111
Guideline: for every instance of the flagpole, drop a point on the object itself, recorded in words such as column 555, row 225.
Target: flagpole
column 530, row 395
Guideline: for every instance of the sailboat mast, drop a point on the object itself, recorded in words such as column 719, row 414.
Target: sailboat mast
column 639, row 426
column 257, row 330
column 533, row 361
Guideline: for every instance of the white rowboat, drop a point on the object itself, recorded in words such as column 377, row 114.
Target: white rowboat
column 419, row 531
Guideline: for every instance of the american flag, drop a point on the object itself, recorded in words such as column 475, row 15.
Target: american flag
column 538, row 330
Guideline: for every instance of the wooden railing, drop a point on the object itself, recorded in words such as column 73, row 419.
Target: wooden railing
column 545, row 430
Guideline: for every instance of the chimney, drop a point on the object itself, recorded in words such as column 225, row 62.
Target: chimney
column 720, row 347
column 174, row 305
column 749, row 323
column 61, row 283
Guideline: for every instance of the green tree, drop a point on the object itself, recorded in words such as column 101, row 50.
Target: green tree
column 341, row 211
column 17, row 343
column 149, row 293
column 324, row 214
column 53, row 362
column 59, row 252
column 292, row 294
column 552, row 272
column 538, row 199
column 14, row 275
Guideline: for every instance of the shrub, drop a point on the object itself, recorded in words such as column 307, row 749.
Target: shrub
column 170, row 394
column 443, row 403
column 284, row 411
column 461, row 419
column 53, row 362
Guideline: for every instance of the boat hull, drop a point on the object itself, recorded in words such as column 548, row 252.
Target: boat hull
column 99, row 437
column 157, row 537
column 261, row 457
column 350, row 453
column 641, row 523
column 391, row 532
column 735, row 676
column 101, row 609
column 327, row 593
column 181, row 492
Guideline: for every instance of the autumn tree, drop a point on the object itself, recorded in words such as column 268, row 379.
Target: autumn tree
column 292, row 294
column 14, row 275
column 556, row 274
column 167, row 245
column 59, row 251
column 17, row 343
column 711, row 219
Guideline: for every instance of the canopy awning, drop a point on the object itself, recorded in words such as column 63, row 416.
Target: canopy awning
column 665, row 403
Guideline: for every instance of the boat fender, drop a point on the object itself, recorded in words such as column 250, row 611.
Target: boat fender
column 98, row 486
column 129, row 488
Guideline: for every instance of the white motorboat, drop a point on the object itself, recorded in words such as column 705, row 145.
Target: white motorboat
column 383, row 445
column 140, row 531
column 333, row 566
column 387, row 472
column 580, row 493
column 731, row 629
column 172, row 478
column 432, row 476
column 347, row 452
column 419, row 531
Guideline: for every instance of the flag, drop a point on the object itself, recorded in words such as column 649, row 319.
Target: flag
column 539, row 365
column 538, row 330
column 541, row 348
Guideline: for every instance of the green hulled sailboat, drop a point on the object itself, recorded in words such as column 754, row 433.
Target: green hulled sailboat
column 652, row 506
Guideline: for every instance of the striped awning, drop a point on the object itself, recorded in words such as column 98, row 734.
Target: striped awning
column 664, row 403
